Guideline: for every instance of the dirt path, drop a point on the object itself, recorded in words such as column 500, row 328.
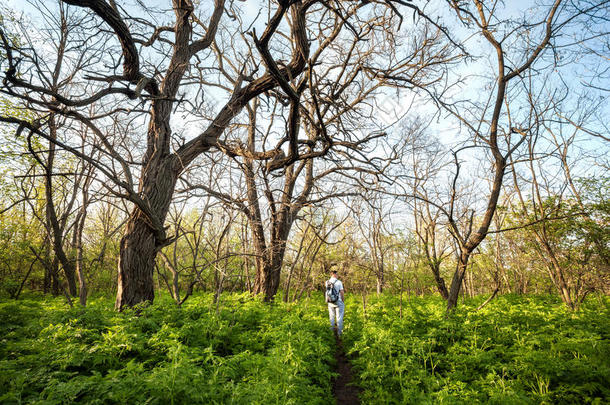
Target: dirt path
column 344, row 392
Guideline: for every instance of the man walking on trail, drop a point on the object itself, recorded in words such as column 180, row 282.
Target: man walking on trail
column 334, row 298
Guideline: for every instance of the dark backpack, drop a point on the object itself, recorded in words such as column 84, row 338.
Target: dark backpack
column 332, row 295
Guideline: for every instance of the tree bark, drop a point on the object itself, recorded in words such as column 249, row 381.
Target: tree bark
column 440, row 282
column 136, row 262
column 267, row 279
column 144, row 235
column 456, row 282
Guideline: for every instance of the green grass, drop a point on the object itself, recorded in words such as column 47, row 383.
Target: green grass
column 516, row 350
column 249, row 352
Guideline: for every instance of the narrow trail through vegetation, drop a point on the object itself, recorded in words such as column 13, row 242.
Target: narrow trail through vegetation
column 343, row 389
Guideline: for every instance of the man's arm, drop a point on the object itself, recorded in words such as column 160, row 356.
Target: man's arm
column 342, row 296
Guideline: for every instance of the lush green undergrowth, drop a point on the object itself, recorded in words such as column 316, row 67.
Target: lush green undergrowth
column 516, row 350
column 248, row 352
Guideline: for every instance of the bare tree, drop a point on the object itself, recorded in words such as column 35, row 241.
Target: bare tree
column 138, row 68
column 318, row 138
column 426, row 162
column 552, row 211
column 373, row 218
column 495, row 124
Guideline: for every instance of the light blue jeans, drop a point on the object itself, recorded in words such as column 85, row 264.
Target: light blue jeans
column 335, row 313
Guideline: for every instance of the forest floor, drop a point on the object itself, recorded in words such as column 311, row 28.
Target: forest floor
column 517, row 349
column 344, row 390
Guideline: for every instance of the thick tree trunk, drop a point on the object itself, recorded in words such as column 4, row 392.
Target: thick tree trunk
column 55, row 286
column 136, row 264
column 263, row 270
column 456, row 282
column 144, row 234
column 273, row 282
column 268, row 276
column 268, row 271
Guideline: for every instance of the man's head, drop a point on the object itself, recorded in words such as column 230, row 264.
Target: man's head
column 333, row 273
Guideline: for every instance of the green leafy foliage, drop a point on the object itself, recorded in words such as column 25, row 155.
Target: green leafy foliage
column 247, row 352
column 515, row 350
